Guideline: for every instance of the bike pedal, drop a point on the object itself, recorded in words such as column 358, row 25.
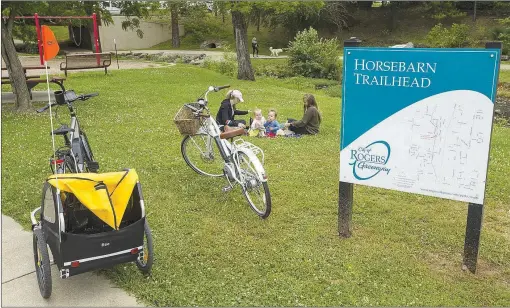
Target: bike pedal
column 226, row 188
column 93, row 166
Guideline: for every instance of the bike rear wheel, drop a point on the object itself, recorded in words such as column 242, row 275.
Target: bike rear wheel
column 255, row 191
column 202, row 154
column 145, row 259
column 42, row 263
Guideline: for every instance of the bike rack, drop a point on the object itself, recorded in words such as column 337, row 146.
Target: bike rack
column 240, row 143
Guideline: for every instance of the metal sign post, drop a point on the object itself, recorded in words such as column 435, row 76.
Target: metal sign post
column 346, row 190
column 475, row 212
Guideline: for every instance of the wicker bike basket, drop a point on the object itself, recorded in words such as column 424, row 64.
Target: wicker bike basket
column 186, row 121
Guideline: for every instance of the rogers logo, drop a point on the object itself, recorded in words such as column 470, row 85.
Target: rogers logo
column 369, row 161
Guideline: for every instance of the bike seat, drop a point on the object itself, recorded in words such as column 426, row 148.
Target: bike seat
column 232, row 133
column 62, row 130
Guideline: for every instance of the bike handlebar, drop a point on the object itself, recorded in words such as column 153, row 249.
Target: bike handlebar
column 216, row 89
column 45, row 107
column 85, row 97
column 68, row 101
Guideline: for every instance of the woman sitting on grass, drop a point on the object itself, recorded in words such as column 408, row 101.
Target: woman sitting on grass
column 225, row 115
column 311, row 120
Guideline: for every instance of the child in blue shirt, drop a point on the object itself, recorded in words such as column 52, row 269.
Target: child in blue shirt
column 271, row 125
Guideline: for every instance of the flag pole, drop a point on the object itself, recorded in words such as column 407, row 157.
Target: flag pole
column 50, row 50
column 51, row 118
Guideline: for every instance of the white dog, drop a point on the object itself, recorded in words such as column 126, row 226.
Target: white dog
column 275, row 52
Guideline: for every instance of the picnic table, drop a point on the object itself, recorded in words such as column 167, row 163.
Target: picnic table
column 31, row 78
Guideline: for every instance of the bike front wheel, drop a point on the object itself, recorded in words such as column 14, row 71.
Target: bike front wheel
column 254, row 189
column 202, row 154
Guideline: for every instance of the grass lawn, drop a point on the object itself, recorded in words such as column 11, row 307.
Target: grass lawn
column 212, row 250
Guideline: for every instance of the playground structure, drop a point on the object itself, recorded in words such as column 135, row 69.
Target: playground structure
column 36, row 18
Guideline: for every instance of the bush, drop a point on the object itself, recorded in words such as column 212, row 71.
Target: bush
column 456, row 36
column 199, row 30
column 310, row 56
column 277, row 68
column 502, row 33
column 226, row 67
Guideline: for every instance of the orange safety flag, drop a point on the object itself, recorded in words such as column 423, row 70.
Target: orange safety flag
column 50, row 44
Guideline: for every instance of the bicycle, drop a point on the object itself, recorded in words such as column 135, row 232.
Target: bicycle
column 76, row 155
column 207, row 151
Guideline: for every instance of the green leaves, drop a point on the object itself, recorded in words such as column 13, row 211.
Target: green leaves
column 311, row 56
column 457, row 36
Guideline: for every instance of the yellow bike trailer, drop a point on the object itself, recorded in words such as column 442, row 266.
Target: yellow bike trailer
column 90, row 221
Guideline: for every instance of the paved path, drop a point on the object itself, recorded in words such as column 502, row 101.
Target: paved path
column 218, row 55
column 134, row 64
column 213, row 55
column 19, row 282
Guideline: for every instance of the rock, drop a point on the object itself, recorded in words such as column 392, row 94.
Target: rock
column 498, row 112
column 407, row 45
column 211, row 44
column 197, row 62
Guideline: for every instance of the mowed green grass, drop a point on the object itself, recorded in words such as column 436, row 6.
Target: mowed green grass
column 212, row 250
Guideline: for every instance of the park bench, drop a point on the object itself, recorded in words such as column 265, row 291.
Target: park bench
column 78, row 61
column 33, row 79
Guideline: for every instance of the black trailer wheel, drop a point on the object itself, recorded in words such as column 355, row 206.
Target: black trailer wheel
column 146, row 257
column 42, row 263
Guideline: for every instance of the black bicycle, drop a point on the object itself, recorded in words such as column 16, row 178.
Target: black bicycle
column 75, row 156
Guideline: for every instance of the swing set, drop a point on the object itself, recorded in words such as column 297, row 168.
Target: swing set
column 36, row 18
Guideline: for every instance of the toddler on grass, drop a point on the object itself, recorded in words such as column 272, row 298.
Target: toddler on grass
column 257, row 128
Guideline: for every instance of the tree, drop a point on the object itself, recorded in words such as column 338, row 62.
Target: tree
column 134, row 11
column 174, row 15
column 294, row 16
column 9, row 55
column 175, row 8
column 11, row 9
column 336, row 13
column 220, row 7
column 241, row 11
column 240, row 24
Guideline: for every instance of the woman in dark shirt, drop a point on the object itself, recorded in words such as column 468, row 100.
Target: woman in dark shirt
column 311, row 120
column 225, row 115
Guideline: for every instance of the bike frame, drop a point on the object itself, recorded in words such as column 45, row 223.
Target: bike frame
column 74, row 141
column 229, row 151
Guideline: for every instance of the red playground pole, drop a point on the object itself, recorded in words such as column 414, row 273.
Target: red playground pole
column 39, row 39
column 96, row 37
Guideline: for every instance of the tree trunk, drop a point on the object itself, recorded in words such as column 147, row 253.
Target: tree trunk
column 244, row 69
column 258, row 21
column 14, row 68
column 174, row 13
column 393, row 16
column 474, row 12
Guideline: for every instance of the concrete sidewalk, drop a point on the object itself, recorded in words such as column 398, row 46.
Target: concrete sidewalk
column 19, row 281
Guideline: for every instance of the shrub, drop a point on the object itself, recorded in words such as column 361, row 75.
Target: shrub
column 456, row 36
column 226, row 67
column 502, row 33
column 269, row 68
column 311, row 56
column 199, row 30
